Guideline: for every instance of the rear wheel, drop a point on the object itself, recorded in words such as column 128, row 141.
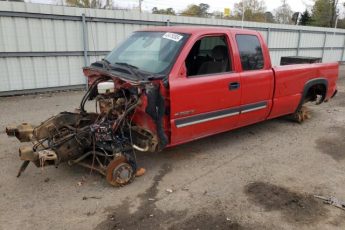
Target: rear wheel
column 119, row 172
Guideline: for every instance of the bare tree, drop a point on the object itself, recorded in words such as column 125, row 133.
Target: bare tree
column 283, row 13
column 334, row 12
column 91, row 3
column 254, row 10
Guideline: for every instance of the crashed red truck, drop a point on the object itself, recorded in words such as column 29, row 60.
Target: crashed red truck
column 165, row 86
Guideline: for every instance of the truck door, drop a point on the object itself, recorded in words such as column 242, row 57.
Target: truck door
column 205, row 92
column 257, row 79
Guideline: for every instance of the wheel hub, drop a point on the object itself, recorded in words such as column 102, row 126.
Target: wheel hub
column 119, row 172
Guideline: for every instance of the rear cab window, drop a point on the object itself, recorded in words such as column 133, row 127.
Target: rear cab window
column 250, row 52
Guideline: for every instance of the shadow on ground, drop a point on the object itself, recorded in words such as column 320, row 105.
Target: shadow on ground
column 295, row 207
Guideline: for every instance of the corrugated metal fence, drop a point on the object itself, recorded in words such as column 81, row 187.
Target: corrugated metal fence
column 45, row 46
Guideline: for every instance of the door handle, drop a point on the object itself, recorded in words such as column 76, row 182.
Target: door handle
column 234, row 85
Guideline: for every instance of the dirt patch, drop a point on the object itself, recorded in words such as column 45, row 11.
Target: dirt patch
column 295, row 207
column 333, row 145
column 339, row 99
column 147, row 216
column 206, row 221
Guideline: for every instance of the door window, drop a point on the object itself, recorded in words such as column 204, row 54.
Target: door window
column 250, row 52
column 209, row 55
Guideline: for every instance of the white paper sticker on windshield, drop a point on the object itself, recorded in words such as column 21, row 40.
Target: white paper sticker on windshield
column 172, row 36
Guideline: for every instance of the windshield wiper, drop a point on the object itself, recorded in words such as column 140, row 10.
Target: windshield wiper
column 131, row 69
column 134, row 70
column 127, row 65
column 137, row 71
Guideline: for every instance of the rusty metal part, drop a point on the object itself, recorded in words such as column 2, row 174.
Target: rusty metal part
column 62, row 119
column 141, row 149
column 11, row 131
column 97, row 166
column 26, row 153
column 119, row 172
column 69, row 137
column 97, row 169
column 23, row 167
column 79, row 159
column 40, row 158
column 143, row 140
column 47, row 155
column 301, row 115
column 70, row 148
column 24, row 132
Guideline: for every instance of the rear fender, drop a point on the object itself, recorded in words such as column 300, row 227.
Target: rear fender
column 311, row 83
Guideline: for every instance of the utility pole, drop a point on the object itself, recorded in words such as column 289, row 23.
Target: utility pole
column 140, row 1
column 242, row 12
column 335, row 28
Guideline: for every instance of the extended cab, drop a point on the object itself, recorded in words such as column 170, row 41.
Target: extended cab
column 165, row 86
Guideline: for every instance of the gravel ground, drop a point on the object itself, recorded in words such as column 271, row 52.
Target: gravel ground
column 259, row 177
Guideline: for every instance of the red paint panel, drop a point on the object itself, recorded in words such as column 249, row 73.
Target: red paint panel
column 257, row 86
column 284, row 105
column 201, row 95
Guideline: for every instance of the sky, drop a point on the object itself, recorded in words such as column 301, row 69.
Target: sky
column 215, row 5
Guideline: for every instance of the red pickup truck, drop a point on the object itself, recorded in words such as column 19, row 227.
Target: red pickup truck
column 166, row 86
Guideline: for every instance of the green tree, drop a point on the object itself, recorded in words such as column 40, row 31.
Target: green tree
column 305, row 18
column 90, row 4
column 169, row 11
column 324, row 13
column 200, row 10
column 254, row 10
column 269, row 17
column 283, row 13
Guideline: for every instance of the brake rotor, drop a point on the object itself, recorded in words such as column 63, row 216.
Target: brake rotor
column 119, row 172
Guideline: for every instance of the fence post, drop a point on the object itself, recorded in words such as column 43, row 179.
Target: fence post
column 85, row 40
column 324, row 46
column 268, row 37
column 298, row 42
column 342, row 56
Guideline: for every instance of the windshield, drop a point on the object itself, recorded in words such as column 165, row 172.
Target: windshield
column 153, row 52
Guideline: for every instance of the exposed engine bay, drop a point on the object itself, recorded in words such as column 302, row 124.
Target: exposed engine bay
column 126, row 118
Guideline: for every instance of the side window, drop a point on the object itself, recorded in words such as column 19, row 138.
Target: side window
column 250, row 52
column 209, row 55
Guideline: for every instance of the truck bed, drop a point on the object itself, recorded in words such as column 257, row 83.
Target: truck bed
column 291, row 79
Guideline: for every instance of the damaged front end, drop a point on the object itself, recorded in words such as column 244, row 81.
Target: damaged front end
column 128, row 116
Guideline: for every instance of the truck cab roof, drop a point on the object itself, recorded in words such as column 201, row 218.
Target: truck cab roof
column 196, row 30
